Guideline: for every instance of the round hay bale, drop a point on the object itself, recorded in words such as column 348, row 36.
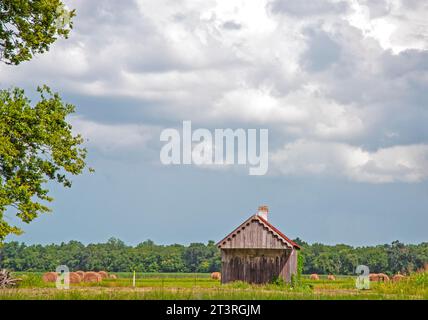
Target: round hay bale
column 81, row 274
column 331, row 277
column 383, row 277
column 75, row 277
column 50, row 277
column 216, row 276
column 113, row 276
column 373, row 277
column 103, row 274
column 314, row 276
column 398, row 277
column 378, row 277
column 92, row 277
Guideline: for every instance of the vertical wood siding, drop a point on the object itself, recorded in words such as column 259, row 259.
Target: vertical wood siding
column 254, row 235
column 255, row 253
column 257, row 265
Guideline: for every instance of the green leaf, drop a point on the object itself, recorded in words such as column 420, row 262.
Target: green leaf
column 36, row 146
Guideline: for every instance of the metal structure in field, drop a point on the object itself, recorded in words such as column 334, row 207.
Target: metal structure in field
column 257, row 252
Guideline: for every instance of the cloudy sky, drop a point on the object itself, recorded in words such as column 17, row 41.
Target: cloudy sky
column 342, row 87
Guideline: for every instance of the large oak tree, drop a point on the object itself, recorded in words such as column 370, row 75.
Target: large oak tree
column 36, row 141
column 28, row 27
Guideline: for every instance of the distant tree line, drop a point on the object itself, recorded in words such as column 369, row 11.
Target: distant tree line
column 113, row 256
column 116, row 256
column 343, row 259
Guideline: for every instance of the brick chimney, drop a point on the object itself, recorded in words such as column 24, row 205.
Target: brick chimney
column 263, row 212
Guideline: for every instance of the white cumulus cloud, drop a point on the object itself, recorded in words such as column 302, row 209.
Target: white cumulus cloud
column 392, row 164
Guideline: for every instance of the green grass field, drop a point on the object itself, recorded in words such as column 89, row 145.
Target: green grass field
column 199, row 286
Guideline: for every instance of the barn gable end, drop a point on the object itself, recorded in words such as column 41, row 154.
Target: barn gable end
column 256, row 233
column 257, row 252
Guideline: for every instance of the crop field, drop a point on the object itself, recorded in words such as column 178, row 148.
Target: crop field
column 184, row 286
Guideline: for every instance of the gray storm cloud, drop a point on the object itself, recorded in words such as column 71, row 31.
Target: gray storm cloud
column 346, row 76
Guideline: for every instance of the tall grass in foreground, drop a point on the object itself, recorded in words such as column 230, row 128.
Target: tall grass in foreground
column 416, row 285
column 187, row 294
column 33, row 280
column 183, row 288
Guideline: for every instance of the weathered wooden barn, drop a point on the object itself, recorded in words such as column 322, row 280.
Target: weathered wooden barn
column 257, row 252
